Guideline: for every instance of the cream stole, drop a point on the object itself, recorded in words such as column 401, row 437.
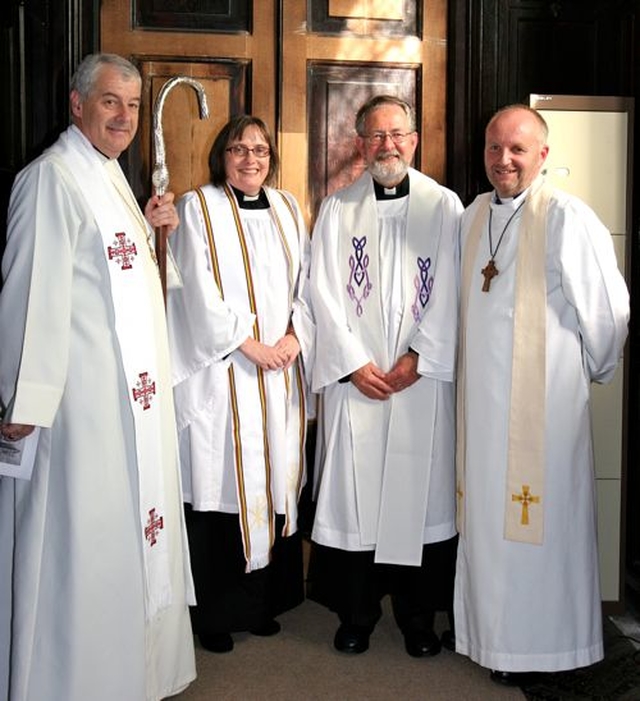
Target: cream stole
column 392, row 460
column 247, row 384
column 124, row 242
column 524, row 497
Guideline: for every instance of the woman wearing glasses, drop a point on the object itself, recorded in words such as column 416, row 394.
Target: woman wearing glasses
column 241, row 331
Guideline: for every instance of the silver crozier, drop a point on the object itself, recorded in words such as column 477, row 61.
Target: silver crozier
column 160, row 175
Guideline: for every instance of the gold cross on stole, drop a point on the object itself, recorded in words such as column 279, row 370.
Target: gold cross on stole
column 525, row 498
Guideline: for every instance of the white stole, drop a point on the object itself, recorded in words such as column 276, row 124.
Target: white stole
column 392, row 466
column 524, row 505
column 247, row 387
column 124, row 242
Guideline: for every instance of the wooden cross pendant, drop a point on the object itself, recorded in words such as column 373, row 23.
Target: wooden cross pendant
column 489, row 272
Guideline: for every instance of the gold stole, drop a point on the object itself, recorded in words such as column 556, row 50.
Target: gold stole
column 524, row 503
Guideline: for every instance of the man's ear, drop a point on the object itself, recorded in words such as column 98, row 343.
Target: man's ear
column 76, row 103
column 545, row 152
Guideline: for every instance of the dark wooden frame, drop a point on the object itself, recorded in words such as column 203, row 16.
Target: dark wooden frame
column 226, row 16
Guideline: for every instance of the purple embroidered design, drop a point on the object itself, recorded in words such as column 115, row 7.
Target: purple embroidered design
column 423, row 283
column 359, row 264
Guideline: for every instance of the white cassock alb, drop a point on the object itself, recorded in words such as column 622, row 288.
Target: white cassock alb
column 93, row 563
column 386, row 475
column 523, row 606
column 242, row 429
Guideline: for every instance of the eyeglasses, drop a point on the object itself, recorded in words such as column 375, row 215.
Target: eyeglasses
column 240, row 151
column 379, row 137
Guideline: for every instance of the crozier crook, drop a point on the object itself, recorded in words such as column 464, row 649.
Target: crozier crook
column 160, row 175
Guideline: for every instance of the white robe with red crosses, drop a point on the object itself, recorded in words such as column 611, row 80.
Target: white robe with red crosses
column 79, row 617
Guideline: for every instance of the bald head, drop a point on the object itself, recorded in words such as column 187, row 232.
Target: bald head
column 515, row 149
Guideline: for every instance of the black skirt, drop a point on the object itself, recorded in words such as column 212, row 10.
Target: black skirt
column 228, row 598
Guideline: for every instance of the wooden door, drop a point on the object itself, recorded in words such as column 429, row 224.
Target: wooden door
column 304, row 67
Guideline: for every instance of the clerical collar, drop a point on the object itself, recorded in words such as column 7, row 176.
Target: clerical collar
column 392, row 193
column 258, row 201
column 506, row 200
column 104, row 155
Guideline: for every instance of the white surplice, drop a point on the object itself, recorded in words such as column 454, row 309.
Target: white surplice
column 385, row 474
column 85, row 622
column 522, row 606
column 242, row 429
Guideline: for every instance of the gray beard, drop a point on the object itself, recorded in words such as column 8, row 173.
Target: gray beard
column 388, row 174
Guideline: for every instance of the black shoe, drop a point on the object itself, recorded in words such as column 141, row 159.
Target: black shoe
column 266, row 629
column 216, row 642
column 422, row 643
column 510, row 678
column 351, row 639
column 448, row 640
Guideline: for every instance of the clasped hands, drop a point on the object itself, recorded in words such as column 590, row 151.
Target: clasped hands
column 376, row 384
column 280, row 356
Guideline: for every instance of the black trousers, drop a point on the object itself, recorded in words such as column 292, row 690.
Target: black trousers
column 352, row 585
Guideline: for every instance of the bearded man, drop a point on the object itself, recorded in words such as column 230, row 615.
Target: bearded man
column 381, row 249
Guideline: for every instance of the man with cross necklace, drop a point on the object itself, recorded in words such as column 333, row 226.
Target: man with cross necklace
column 542, row 319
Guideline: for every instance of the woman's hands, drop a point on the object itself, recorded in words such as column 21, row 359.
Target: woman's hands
column 280, row 356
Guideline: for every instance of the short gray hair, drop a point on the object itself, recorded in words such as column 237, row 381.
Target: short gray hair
column 86, row 74
column 378, row 101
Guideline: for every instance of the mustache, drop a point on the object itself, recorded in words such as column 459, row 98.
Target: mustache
column 385, row 154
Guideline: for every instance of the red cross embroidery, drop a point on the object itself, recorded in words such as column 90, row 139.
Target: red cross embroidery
column 123, row 251
column 144, row 390
column 154, row 524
